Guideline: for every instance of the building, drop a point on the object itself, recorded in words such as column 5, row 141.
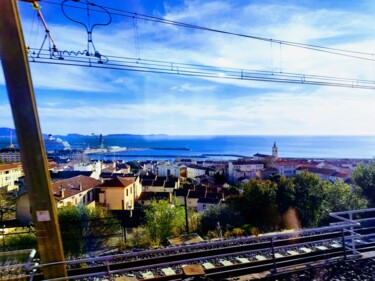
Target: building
column 75, row 191
column 244, row 169
column 287, row 168
column 275, row 151
column 323, row 174
column 274, row 156
column 167, row 169
column 9, row 175
column 153, row 183
column 8, row 155
column 119, row 193
column 147, row 197
column 204, row 204
column 339, row 176
column 194, row 170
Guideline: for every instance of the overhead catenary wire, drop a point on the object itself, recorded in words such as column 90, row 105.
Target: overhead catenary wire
column 197, row 70
column 330, row 50
column 158, row 66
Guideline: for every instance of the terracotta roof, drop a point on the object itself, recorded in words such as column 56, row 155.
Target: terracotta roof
column 118, row 182
column 72, row 186
column 320, row 171
column 10, row 166
column 246, row 162
column 340, row 175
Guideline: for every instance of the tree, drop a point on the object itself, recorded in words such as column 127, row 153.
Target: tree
column 339, row 197
column 309, row 196
column 163, row 220
column 258, row 204
column 285, row 194
column 92, row 227
column 364, row 177
column 227, row 216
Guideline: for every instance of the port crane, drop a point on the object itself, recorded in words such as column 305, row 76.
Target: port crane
column 101, row 141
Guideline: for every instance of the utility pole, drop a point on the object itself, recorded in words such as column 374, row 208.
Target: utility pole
column 22, row 100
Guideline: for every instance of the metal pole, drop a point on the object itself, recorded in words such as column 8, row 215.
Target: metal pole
column 186, row 216
column 22, row 100
column 351, row 233
column 343, row 242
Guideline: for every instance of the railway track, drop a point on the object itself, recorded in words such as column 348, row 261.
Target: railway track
column 224, row 258
column 230, row 257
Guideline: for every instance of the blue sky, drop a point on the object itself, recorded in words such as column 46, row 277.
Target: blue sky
column 85, row 100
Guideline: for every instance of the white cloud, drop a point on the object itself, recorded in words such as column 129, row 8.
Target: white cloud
column 187, row 87
column 217, row 105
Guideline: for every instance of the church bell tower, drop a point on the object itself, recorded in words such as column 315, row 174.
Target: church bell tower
column 275, row 153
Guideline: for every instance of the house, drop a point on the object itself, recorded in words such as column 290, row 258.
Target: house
column 9, row 155
column 204, row 204
column 167, row 169
column 244, row 169
column 147, row 197
column 153, row 183
column 119, row 193
column 78, row 190
column 287, row 168
column 194, row 170
column 9, row 175
column 149, row 167
column 62, row 175
column 268, row 172
column 339, row 176
column 323, row 174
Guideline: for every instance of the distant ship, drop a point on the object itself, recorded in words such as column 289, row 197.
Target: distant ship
column 95, row 151
column 55, row 144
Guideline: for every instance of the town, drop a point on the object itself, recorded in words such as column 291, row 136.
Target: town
column 130, row 186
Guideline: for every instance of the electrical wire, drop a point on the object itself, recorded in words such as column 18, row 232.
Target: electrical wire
column 329, row 50
column 197, row 70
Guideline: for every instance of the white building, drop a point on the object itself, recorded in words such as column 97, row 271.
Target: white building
column 167, row 169
column 9, row 174
column 287, row 168
column 10, row 156
column 86, row 167
column 204, row 204
column 244, row 169
column 193, row 171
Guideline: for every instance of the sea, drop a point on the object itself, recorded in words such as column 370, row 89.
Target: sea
column 165, row 147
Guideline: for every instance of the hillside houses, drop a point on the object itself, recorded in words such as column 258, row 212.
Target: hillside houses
column 166, row 169
column 119, row 193
column 322, row 173
column 9, row 175
column 244, row 169
column 75, row 191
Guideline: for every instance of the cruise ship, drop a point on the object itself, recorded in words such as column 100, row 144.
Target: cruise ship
column 55, row 144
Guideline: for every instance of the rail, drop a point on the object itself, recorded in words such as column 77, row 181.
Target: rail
column 352, row 234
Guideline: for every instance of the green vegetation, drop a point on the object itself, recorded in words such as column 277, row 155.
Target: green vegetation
column 282, row 203
column 163, row 221
column 364, row 177
column 19, row 241
column 86, row 229
column 7, row 206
